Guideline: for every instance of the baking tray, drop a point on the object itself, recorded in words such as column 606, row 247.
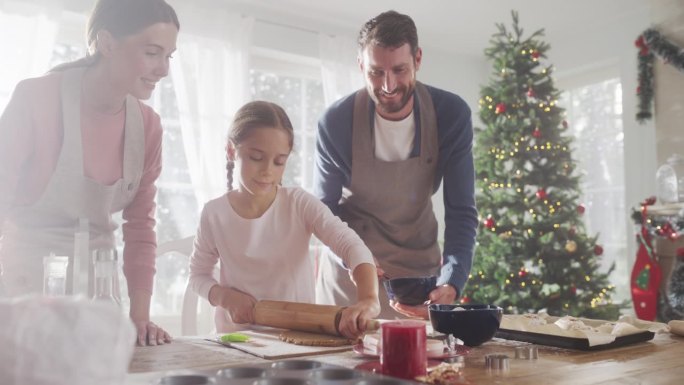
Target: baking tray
column 284, row 372
column 572, row 342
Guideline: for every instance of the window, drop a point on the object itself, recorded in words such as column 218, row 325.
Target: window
column 296, row 86
column 594, row 114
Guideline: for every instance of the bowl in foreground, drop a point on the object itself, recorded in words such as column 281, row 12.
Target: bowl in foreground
column 473, row 324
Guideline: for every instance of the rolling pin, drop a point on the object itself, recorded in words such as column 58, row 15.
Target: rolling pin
column 306, row 317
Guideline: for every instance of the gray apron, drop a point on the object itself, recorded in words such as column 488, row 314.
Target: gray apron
column 48, row 226
column 389, row 206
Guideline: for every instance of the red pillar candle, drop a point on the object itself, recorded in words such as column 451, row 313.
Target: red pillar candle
column 404, row 354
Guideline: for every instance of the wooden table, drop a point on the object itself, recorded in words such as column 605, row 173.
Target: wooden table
column 660, row 361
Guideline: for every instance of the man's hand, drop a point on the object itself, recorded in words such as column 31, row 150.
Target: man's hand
column 445, row 294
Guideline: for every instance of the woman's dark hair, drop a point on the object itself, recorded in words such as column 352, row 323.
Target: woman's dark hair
column 389, row 29
column 253, row 115
column 121, row 18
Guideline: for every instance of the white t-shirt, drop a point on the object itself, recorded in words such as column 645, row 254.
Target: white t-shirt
column 268, row 257
column 394, row 139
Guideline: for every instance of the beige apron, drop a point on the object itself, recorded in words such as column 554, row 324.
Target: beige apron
column 389, row 205
column 32, row 232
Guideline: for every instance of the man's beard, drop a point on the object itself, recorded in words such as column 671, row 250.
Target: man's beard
column 392, row 107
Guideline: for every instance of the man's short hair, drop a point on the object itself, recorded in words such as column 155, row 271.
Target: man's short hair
column 389, row 29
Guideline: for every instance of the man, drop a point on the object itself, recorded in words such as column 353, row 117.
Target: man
column 381, row 154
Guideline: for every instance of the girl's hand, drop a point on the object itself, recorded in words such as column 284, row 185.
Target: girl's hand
column 150, row 334
column 354, row 318
column 240, row 305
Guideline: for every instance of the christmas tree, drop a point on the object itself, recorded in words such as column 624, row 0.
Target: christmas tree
column 533, row 252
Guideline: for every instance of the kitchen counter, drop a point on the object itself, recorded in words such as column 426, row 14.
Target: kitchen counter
column 659, row 361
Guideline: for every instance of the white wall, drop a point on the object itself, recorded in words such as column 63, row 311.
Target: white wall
column 608, row 50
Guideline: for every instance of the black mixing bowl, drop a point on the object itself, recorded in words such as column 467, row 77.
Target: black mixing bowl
column 410, row 291
column 472, row 324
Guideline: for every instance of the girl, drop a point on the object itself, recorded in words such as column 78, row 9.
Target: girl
column 77, row 143
column 261, row 231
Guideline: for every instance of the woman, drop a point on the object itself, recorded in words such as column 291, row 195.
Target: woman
column 77, row 144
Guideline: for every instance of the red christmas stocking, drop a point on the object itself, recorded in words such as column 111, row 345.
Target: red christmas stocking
column 645, row 281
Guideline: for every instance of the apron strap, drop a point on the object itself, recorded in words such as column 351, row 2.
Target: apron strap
column 71, row 156
column 134, row 144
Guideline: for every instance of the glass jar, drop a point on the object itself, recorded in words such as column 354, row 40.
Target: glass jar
column 54, row 275
column 676, row 287
column 105, row 268
column 670, row 180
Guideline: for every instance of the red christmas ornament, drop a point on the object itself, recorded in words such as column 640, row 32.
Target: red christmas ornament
column 500, row 108
column 565, row 124
column 580, row 208
column 531, row 93
column 572, row 231
column 489, row 222
column 537, row 133
column 598, row 250
column 465, row 300
column 573, row 290
column 541, row 193
column 522, row 273
column 535, row 54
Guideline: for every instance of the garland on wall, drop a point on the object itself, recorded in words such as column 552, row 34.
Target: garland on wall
column 651, row 44
column 659, row 226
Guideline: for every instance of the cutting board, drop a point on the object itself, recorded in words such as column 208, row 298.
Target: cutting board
column 264, row 343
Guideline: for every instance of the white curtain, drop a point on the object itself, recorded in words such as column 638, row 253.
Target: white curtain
column 28, row 30
column 340, row 72
column 211, row 78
